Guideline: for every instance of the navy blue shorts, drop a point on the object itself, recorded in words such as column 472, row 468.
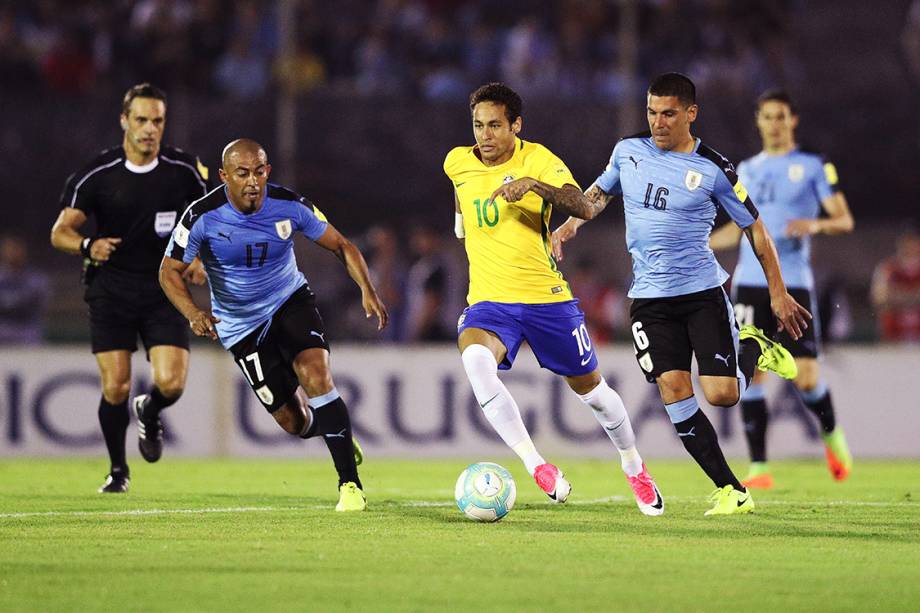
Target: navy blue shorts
column 556, row 333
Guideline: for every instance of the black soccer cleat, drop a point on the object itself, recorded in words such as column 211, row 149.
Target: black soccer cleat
column 115, row 483
column 149, row 431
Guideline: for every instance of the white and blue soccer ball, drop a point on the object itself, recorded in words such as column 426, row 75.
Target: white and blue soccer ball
column 485, row 491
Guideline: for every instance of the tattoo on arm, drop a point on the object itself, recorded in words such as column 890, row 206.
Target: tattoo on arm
column 570, row 200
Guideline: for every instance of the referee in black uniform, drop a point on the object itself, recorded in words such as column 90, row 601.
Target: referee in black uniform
column 136, row 193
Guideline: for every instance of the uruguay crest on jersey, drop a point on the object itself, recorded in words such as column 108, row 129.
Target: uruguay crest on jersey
column 283, row 228
column 693, row 179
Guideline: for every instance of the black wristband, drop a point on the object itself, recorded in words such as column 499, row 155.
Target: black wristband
column 85, row 245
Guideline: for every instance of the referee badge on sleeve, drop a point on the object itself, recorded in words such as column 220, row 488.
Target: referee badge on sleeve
column 283, row 228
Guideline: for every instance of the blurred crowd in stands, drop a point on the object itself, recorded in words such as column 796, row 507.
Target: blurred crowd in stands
column 437, row 49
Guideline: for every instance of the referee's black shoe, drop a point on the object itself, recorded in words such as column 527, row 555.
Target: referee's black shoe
column 115, row 483
column 149, row 430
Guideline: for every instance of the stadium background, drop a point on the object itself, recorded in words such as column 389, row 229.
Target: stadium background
column 358, row 102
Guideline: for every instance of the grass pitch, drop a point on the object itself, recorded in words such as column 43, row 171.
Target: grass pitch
column 234, row 535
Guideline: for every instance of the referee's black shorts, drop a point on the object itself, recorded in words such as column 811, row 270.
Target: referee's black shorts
column 121, row 308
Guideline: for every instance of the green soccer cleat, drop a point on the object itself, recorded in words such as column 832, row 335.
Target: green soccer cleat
column 359, row 453
column 773, row 356
column 351, row 498
column 729, row 501
column 839, row 460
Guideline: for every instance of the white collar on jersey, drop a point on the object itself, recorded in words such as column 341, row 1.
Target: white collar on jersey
column 140, row 170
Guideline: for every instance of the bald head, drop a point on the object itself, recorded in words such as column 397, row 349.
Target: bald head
column 242, row 147
column 245, row 171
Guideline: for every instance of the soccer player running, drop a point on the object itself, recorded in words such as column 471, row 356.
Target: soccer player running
column 505, row 189
column 791, row 186
column 135, row 192
column 262, row 309
column 671, row 183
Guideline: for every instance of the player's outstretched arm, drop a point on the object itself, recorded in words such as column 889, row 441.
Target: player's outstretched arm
column 66, row 237
column 345, row 250
column 790, row 315
column 599, row 200
column 173, row 284
column 567, row 199
column 839, row 219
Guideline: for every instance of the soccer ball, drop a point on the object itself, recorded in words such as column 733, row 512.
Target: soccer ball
column 485, row 491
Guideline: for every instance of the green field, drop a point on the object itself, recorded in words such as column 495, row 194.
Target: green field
column 262, row 535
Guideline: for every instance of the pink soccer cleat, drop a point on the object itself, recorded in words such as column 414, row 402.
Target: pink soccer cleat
column 646, row 492
column 552, row 481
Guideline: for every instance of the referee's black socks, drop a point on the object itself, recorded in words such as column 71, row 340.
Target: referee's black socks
column 156, row 402
column 114, row 421
column 330, row 420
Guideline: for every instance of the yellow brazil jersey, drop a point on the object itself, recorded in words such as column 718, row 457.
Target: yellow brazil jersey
column 508, row 243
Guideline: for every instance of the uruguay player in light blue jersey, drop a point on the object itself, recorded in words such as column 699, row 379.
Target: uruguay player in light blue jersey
column 262, row 309
column 792, row 186
column 671, row 184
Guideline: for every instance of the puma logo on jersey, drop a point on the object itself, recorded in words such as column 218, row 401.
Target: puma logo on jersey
column 719, row 356
column 227, row 236
column 634, row 161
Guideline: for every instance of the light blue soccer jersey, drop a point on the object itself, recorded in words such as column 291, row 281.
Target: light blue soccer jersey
column 786, row 187
column 670, row 201
column 249, row 258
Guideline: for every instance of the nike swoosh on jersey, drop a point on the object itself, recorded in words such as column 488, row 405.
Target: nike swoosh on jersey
column 587, row 359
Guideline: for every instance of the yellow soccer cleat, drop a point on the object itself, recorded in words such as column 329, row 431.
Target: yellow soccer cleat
column 839, row 460
column 773, row 356
column 729, row 501
column 351, row 498
column 359, row 453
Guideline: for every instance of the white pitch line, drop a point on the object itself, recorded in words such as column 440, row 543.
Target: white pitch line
column 422, row 504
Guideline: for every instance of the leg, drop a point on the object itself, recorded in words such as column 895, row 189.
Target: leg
column 755, row 418
column 817, row 399
column 169, row 366
column 481, row 351
column 327, row 412
column 115, row 376
column 694, row 428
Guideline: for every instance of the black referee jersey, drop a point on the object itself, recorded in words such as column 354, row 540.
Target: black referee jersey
column 138, row 204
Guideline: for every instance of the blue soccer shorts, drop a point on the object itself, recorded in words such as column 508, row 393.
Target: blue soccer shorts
column 556, row 333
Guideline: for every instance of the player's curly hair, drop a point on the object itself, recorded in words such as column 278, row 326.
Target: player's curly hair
column 499, row 93
column 674, row 84
column 141, row 90
column 777, row 95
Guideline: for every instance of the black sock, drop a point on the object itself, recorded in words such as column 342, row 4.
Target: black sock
column 755, row 418
column 823, row 409
column 748, row 353
column 332, row 423
column 156, row 401
column 700, row 439
column 114, row 421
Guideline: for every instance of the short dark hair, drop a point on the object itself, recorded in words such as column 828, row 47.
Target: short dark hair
column 674, row 84
column 141, row 90
column 499, row 93
column 777, row 95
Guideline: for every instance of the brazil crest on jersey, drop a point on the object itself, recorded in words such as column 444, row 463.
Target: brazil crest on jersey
column 670, row 200
column 786, row 187
column 508, row 243
column 249, row 258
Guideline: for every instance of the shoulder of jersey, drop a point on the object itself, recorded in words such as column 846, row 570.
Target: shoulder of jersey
column 637, row 136
column 214, row 199
column 183, row 158
column 708, row 153
column 109, row 158
column 812, row 153
column 455, row 159
column 279, row 192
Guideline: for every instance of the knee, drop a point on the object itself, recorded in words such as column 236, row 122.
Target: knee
column 584, row 384
column 806, row 381
column 115, row 391
column 171, row 385
column 722, row 397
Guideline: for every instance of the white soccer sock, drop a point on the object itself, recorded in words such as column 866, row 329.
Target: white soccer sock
column 610, row 412
column 498, row 405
